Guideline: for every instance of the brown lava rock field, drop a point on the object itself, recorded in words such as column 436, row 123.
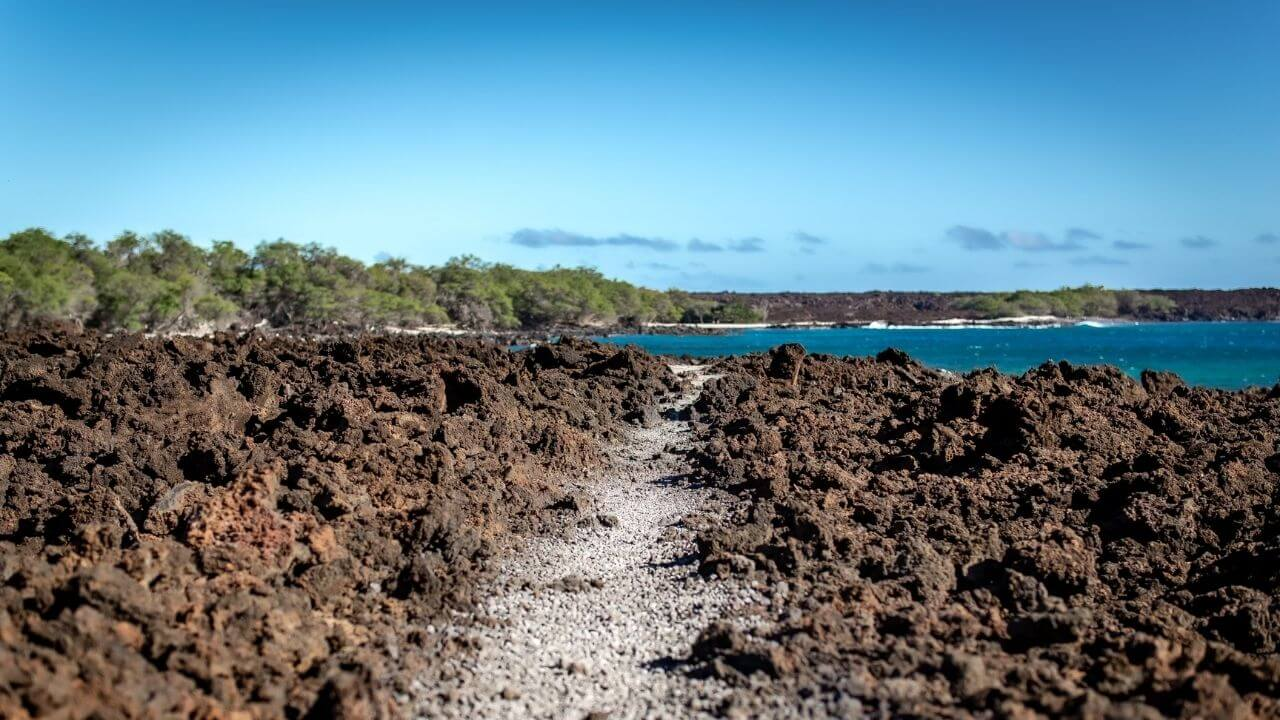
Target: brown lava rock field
column 1068, row 542
column 265, row 526
column 254, row 526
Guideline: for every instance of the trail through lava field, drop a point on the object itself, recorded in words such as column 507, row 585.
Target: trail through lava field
column 271, row 525
column 594, row 619
column 381, row 526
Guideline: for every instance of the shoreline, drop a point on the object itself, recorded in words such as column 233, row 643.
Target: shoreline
column 1016, row 321
column 668, row 328
column 533, row 336
column 522, row 336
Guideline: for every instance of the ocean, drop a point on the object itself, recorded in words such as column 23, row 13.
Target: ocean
column 1219, row 354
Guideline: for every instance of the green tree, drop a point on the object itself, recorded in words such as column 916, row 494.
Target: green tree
column 470, row 292
column 161, row 282
column 165, row 282
column 299, row 283
column 1086, row 300
column 42, row 277
column 401, row 294
column 736, row 312
column 232, row 273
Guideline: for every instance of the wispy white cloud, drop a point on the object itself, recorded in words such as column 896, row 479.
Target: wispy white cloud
column 746, row 245
column 1039, row 242
column 972, row 238
column 1098, row 260
column 1080, row 234
column 531, row 238
column 1129, row 245
column 662, row 267
column 897, row 268
column 975, row 238
column 696, row 245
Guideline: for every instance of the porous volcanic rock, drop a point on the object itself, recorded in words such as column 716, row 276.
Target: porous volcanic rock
column 267, row 525
column 1066, row 542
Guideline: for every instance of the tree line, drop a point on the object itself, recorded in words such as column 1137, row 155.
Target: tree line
column 1083, row 301
column 163, row 282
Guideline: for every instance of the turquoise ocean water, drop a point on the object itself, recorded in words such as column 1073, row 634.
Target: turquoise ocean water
column 1225, row 355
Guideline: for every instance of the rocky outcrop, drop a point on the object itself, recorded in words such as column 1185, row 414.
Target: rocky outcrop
column 270, row 525
column 1066, row 542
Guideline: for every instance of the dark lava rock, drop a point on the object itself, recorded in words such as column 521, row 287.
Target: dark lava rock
column 1064, row 542
column 647, row 416
column 241, row 526
column 785, row 362
column 1162, row 383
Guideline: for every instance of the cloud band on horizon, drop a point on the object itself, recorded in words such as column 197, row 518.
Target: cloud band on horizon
column 1198, row 242
column 975, row 238
column 531, row 238
column 897, row 268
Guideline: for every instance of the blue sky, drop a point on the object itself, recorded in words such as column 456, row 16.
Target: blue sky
column 749, row 146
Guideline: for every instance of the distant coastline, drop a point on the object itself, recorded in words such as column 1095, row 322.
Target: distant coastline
column 537, row 335
column 926, row 308
column 1014, row 321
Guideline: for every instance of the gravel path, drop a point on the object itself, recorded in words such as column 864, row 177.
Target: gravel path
column 587, row 625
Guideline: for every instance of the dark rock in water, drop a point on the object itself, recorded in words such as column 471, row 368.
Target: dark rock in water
column 785, row 362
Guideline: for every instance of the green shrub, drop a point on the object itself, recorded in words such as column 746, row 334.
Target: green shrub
column 1083, row 301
